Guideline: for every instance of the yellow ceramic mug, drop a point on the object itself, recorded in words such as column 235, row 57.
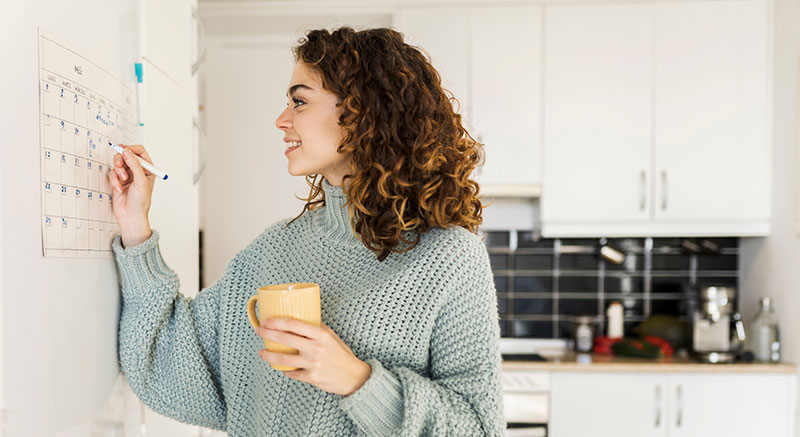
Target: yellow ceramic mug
column 296, row 300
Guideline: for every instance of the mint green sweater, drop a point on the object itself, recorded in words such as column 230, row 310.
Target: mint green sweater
column 425, row 320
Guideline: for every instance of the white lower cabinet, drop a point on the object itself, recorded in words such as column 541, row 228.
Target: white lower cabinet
column 675, row 404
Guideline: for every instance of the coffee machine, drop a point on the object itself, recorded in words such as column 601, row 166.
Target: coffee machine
column 717, row 328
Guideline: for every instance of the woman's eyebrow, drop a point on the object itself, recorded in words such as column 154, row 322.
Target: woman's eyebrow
column 294, row 88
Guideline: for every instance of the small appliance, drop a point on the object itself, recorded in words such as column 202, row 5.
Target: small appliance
column 717, row 328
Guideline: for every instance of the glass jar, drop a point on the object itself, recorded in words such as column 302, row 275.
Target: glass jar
column 583, row 334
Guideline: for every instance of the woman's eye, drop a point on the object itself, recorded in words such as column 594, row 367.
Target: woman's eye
column 297, row 102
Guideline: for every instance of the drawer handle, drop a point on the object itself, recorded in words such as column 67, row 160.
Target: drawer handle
column 643, row 190
column 658, row 406
column 679, row 396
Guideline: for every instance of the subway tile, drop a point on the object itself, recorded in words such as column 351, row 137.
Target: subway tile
column 577, row 262
column 533, row 262
column 533, row 306
column 527, row 239
column 719, row 281
column 501, row 283
column 624, row 284
column 499, row 261
column 572, row 284
column 664, row 284
column 670, row 262
column 505, row 330
column 533, row 283
column 527, row 328
column 717, row 262
column 496, row 239
column 578, row 307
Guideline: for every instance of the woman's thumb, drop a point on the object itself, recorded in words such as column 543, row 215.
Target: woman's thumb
column 136, row 167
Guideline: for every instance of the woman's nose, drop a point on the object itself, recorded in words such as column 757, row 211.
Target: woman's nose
column 284, row 121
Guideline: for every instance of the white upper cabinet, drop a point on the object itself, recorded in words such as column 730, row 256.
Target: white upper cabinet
column 712, row 150
column 490, row 59
column 506, row 96
column 598, row 125
column 657, row 119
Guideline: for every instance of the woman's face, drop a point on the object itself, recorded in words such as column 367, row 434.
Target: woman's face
column 311, row 127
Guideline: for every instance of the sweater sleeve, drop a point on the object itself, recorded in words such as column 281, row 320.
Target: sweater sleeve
column 168, row 344
column 462, row 396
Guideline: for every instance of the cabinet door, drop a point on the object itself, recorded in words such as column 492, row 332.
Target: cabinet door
column 598, row 106
column 443, row 32
column 607, row 405
column 506, row 93
column 168, row 38
column 712, row 150
column 174, row 211
column 741, row 405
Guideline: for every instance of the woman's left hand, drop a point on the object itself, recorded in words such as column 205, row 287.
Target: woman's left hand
column 323, row 359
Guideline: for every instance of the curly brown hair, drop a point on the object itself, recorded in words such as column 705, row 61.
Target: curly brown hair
column 411, row 156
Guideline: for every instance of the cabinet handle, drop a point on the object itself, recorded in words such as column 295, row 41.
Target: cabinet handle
column 643, row 190
column 658, row 406
column 679, row 397
column 663, row 190
column 202, row 37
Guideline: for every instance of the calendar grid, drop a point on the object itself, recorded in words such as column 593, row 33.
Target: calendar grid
column 78, row 117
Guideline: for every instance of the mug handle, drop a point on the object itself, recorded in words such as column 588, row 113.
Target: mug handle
column 251, row 311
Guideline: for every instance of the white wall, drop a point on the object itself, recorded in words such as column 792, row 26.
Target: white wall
column 771, row 266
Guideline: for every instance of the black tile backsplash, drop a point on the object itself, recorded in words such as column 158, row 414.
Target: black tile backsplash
column 543, row 283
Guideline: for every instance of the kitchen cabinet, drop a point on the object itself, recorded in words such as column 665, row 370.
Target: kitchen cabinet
column 657, row 119
column 598, row 75
column 675, row 404
column 490, row 58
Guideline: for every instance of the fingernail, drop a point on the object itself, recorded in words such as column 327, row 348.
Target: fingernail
column 127, row 153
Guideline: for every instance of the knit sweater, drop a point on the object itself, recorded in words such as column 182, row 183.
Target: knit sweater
column 424, row 320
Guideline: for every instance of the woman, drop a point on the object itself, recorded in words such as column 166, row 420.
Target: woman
column 409, row 341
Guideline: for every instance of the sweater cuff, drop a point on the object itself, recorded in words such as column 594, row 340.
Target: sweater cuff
column 142, row 270
column 377, row 407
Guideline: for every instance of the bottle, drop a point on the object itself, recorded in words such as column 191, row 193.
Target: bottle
column 583, row 335
column 615, row 326
column 765, row 333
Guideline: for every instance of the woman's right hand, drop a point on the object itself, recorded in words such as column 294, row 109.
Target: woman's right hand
column 133, row 190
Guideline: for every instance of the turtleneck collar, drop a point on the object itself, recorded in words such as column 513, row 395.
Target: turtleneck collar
column 333, row 220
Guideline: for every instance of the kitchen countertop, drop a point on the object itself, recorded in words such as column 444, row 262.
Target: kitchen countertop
column 572, row 362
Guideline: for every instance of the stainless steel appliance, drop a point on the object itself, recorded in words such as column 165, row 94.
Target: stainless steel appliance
column 717, row 328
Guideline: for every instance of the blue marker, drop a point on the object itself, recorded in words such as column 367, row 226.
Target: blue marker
column 139, row 92
column 149, row 167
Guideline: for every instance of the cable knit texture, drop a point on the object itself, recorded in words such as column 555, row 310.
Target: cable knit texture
column 425, row 320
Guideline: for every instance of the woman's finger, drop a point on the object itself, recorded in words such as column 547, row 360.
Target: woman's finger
column 291, row 360
column 287, row 339
column 113, row 179
column 136, row 167
column 293, row 325
column 140, row 151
